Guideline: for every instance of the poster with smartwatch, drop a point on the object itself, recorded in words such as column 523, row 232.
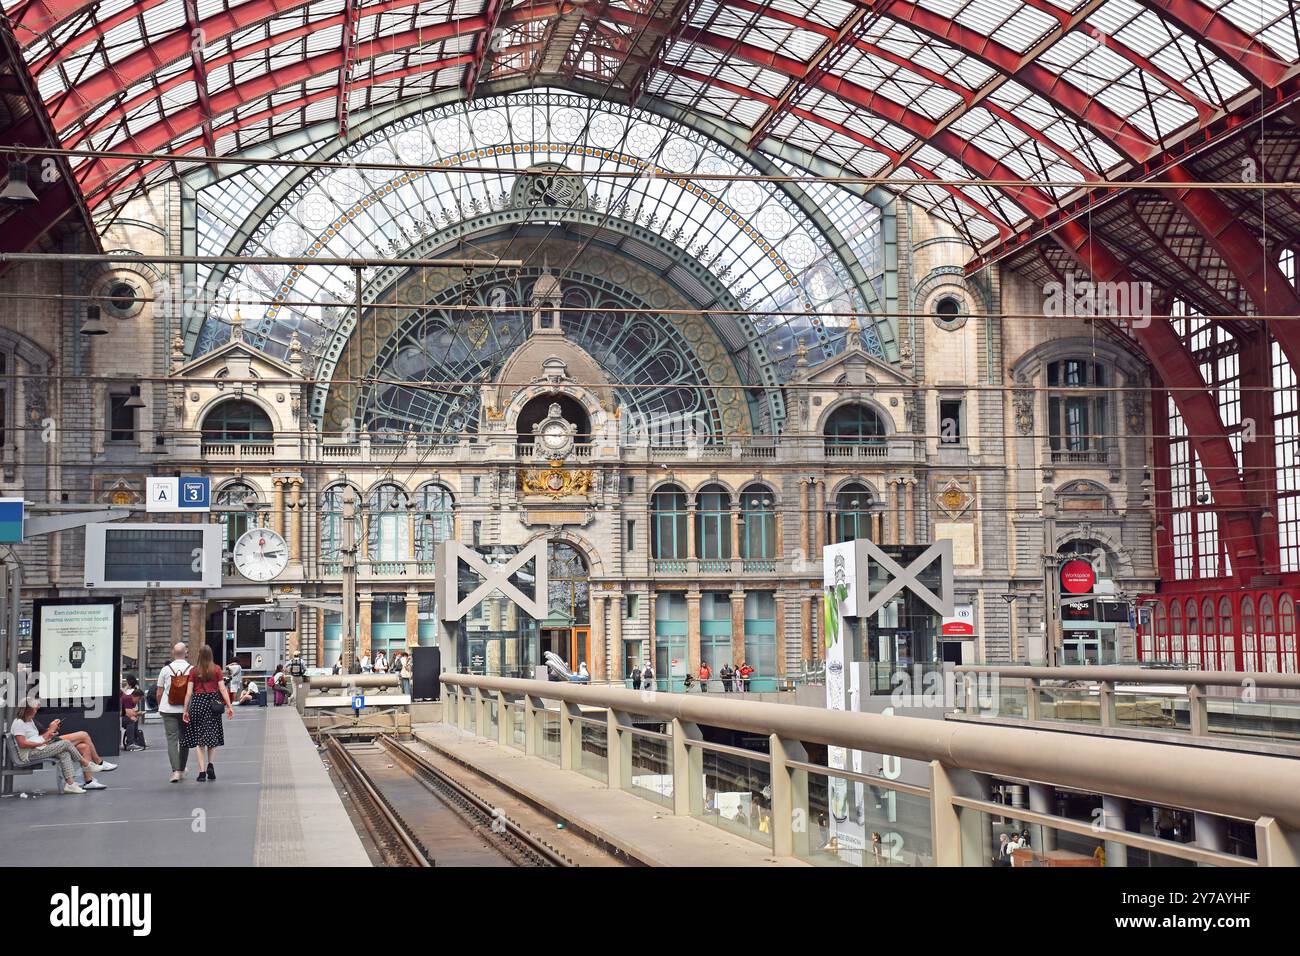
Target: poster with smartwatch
column 76, row 659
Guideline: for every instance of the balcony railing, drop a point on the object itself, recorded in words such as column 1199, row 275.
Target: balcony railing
column 670, row 565
column 864, row 450
column 758, row 565
column 238, row 449
column 1092, row 457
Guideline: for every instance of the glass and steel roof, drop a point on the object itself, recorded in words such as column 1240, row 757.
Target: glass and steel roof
column 919, row 91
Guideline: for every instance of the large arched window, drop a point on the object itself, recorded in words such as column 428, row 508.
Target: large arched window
column 387, row 524
column 1227, row 631
column 567, row 582
column 237, row 420
column 1209, row 635
column 668, row 527
column 854, row 424
column 240, row 495
column 1077, row 419
column 331, row 520
column 713, row 523
column 434, row 521
column 1267, row 634
column 1176, row 631
column 758, row 509
column 851, row 520
column 1193, row 642
column 1286, row 634
column 1249, row 643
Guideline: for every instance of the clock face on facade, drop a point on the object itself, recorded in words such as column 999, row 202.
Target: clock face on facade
column 260, row 554
column 555, row 436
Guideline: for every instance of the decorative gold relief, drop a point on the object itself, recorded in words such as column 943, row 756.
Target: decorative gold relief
column 555, row 482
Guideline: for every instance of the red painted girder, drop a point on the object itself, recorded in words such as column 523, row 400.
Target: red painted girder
column 351, row 13
column 1179, row 373
column 1126, row 138
column 1242, row 50
column 1030, row 198
column 482, row 48
column 96, row 175
column 872, row 144
column 1244, row 254
column 94, row 91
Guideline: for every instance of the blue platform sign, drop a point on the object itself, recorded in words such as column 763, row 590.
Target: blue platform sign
column 178, row 494
column 359, row 702
column 195, row 494
column 11, row 520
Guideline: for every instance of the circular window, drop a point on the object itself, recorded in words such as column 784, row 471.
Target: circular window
column 948, row 313
column 121, row 298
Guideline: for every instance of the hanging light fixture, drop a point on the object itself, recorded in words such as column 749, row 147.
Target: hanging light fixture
column 93, row 325
column 17, row 192
column 134, row 400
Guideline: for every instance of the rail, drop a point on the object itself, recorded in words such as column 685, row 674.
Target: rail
column 1139, row 701
column 950, row 819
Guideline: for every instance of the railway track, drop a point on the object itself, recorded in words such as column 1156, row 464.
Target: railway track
column 391, row 787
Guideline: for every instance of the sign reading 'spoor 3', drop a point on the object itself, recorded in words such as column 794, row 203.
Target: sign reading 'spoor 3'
column 178, row 494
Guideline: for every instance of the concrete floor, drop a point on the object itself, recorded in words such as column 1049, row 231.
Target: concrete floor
column 271, row 805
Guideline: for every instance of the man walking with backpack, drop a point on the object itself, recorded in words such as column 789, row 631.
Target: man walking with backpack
column 173, row 681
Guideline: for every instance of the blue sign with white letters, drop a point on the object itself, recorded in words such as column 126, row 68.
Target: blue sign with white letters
column 195, row 494
column 358, row 702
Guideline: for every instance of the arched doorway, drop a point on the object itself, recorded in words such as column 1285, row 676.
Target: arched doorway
column 566, row 631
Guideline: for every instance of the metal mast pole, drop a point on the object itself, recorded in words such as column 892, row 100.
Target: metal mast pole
column 1051, row 577
column 349, row 551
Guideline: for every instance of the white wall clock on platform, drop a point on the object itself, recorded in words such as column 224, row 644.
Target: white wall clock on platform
column 260, row 554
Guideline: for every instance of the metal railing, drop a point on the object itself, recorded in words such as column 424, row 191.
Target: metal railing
column 785, row 797
column 1141, row 702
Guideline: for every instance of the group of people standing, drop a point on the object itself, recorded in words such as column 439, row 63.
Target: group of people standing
column 732, row 678
column 400, row 665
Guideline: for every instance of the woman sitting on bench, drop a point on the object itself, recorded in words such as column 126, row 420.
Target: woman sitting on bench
column 31, row 745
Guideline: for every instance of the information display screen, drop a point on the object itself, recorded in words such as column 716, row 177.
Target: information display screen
column 153, row 555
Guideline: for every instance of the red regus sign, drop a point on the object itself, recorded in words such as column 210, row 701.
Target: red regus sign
column 1078, row 577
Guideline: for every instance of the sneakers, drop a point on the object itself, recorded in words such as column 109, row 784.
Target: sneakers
column 175, row 777
column 212, row 772
column 201, row 777
column 93, row 785
column 72, row 788
column 105, row 766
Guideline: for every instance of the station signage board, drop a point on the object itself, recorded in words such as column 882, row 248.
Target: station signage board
column 1078, row 576
column 11, row 520
column 178, row 494
column 961, row 623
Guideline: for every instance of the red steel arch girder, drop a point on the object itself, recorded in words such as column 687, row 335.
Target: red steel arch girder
column 1244, row 254
column 95, row 182
column 872, row 144
column 1251, row 58
column 1179, row 373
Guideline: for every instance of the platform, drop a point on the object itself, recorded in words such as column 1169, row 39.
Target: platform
column 643, row 830
column 272, row 804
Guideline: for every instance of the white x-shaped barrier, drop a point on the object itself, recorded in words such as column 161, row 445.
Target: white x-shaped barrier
column 909, row 578
column 495, row 578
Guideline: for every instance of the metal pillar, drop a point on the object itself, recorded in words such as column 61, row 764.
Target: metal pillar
column 349, row 561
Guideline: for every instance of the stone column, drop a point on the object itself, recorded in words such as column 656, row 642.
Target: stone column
column 819, row 519
column 779, row 537
column 614, row 663
column 909, row 511
column 198, row 621
column 780, row 634
column 178, row 628
column 737, row 626
column 295, row 524
column 364, row 605
column 692, row 630
column 277, row 516
column 596, row 650
column 877, row 530
column 805, row 538
column 412, row 618
column 735, row 533
column 410, row 535
column 691, row 551
column 891, row 511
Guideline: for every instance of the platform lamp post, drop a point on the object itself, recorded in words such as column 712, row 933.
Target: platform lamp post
column 1051, row 575
column 348, row 553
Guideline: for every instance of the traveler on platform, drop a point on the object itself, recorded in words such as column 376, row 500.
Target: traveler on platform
column 173, row 685
column 33, row 744
column 205, row 701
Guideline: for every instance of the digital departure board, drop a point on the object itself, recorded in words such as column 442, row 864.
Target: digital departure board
column 153, row 555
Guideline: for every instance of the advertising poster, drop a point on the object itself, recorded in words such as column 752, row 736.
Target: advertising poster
column 840, row 602
column 77, row 650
